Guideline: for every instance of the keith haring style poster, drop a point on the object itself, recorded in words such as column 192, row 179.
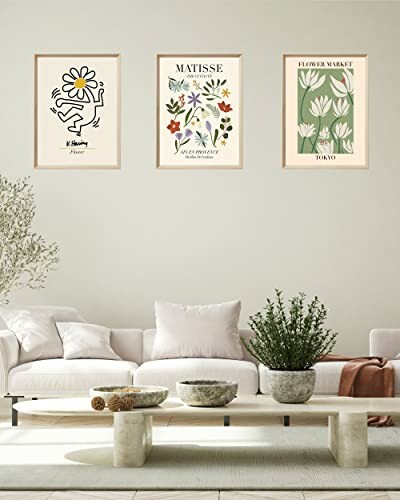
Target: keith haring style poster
column 199, row 111
column 77, row 111
column 325, row 111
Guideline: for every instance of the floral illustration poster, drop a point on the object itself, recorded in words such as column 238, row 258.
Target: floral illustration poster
column 325, row 111
column 199, row 111
column 77, row 111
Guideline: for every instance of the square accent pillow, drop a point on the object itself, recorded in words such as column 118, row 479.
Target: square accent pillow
column 209, row 331
column 35, row 329
column 83, row 340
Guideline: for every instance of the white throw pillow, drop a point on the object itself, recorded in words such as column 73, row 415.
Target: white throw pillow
column 83, row 340
column 35, row 329
column 209, row 331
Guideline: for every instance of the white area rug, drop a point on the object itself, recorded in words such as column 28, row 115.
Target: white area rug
column 194, row 458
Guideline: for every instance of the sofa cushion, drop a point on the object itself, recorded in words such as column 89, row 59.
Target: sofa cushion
column 327, row 378
column 84, row 340
column 384, row 342
column 35, row 329
column 209, row 331
column 167, row 372
column 72, row 377
column 150, row 334
column 128, row 343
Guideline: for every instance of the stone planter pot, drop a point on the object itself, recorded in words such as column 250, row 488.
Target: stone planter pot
column 292, row 387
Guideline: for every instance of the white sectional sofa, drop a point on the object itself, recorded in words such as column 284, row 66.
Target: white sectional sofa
column 65, row 378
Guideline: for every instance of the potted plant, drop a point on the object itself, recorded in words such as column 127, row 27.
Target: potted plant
column 289, row 342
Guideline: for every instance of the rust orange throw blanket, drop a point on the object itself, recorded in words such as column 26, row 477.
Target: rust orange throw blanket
column 366, row 377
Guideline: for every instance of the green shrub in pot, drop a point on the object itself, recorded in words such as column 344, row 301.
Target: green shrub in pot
column 289, row 341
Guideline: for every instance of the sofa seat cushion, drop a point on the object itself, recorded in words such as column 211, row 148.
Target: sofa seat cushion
column 72, row 377
column 327, row 378
column 166, row 372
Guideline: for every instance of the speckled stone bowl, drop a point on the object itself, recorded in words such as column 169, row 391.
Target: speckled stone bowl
column 292, row 387
column 206, row 392
column 149, row 395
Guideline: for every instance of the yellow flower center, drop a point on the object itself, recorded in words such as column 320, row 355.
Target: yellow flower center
column 80, row 83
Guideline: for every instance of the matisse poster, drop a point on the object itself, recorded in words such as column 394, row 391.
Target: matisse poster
column 199, row 111
column 325, row 122
column 77, row 111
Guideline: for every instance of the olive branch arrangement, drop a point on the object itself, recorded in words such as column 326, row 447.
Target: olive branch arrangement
column 25, row 256
column 293, row 339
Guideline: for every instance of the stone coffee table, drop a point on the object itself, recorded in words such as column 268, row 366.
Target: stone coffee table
column 348, row 432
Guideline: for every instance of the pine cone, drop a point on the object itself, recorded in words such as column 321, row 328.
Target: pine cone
column 98, row 403
column 115, row 403
column 128, row 403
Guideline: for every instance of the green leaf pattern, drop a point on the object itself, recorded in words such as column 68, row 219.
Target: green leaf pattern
column 199, row 113
column 325, row 118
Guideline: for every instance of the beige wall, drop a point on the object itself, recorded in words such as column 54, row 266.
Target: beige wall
column 130, row 236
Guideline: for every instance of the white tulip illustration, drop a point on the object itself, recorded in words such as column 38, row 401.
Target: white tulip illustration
column 341, row 107
column 342, row 130
column 320, row 106
column 348, row 146
column 344, row 87
column 324, row 134
column 311, row 80
column 325, row 147
column 306, row 129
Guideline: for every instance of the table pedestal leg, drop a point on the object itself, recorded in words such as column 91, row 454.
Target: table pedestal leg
column 348, row 439
column 132, row 439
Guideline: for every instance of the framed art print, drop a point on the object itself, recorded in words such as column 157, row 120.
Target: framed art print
column 199, row 109
column 77, row 111
column 325, row 111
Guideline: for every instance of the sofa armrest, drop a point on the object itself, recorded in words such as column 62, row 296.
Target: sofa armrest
column 384, row 342
column 9, row 354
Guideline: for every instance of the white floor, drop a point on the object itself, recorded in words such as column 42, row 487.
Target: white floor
column 183, row 495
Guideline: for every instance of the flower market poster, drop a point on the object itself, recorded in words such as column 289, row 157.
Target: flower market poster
column 199, row 111
column 325, row 111
column 77, row 103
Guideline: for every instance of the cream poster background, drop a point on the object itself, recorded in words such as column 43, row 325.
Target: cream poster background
column 77, row 106
column 325, row 111
column 199, row 111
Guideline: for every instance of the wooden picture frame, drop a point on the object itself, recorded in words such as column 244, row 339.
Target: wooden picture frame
column 199, row 111
column 325, row 111
column 77, row 111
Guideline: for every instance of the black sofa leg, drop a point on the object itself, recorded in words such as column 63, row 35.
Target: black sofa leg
column 14, row 413
column 286, row 420
column 227, row 421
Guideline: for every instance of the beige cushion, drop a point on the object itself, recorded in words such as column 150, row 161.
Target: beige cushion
column 128, row 343
column 84, row 340
column 167, row 372
column 35, row 329
column 68, row 377
column 385, row 342
column 209, row 331
column 150, row 334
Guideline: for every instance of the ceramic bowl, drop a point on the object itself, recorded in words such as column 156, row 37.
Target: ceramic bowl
column 206, row 392
column 149, row 395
